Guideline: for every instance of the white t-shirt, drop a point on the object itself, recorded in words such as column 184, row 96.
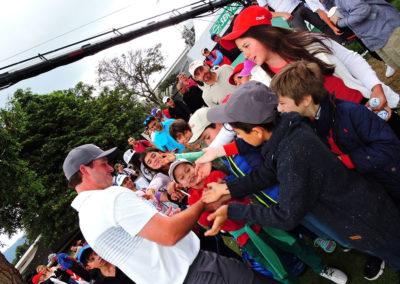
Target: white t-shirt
column 110, row 220
column 314, row 5
column 214, row 94
column 283, row 5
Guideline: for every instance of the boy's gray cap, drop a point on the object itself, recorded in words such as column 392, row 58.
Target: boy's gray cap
column 173, row 166
column 83, row 155
column 252, row 102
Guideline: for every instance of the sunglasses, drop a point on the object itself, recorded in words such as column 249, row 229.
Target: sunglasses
column 147, row 120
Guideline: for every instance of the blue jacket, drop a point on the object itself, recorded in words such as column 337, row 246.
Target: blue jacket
column 373, row 21
column 313, row 180
column 242, row 165
column 371, row 144
column 163, row 139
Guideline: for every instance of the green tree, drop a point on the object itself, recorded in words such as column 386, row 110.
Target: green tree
column 19, row 252
column 133, row 72
column 42, row 129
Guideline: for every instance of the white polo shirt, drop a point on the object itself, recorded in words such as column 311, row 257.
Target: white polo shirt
column 110, row 220
column 283, row 5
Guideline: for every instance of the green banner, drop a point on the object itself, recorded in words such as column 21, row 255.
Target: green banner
column 219, row 24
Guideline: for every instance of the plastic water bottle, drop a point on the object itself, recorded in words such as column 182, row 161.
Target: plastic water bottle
column 374, row 102
column 383, row 114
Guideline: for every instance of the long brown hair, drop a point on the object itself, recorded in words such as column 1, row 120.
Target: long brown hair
column 164, row 169
column 291, row 45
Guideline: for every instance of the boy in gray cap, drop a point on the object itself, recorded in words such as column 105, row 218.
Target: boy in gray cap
column 312, row 180
column 131, row 234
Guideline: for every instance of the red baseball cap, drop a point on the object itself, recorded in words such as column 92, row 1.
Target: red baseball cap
column 249, row 17
column 36, row 278
column 237, row 69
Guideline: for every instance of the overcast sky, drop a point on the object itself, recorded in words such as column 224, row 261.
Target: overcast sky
column 27, row 24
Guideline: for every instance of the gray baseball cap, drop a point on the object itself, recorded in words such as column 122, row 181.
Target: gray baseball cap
column 83, row 155
column 252, row 102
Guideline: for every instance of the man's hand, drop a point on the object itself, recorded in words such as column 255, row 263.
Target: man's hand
column 210, row 154
column 334, row 20
column 219, row 217
column 287, row 16
column 215, row 192
column 336, row 30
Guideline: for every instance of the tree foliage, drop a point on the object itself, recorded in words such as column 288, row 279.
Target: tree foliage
column 133, row 72
column 39, row 131
column 19, row 252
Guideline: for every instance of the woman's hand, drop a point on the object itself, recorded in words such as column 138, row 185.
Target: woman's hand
column 219, row 217
column 167, row 158
column 377, row 92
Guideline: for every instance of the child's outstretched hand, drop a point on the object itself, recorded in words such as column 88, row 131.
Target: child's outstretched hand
column 210, row 154
column 202, row 171
column 215, row 192
column 219, row 217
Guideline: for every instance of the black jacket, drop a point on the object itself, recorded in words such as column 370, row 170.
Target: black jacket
column 313, row 180
column 194, row 98
column 179, row 111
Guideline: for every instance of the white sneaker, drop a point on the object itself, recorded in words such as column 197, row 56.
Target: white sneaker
column 334, row 274
column 389, row 71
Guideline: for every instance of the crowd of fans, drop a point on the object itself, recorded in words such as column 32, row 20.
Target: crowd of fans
column 298, row 140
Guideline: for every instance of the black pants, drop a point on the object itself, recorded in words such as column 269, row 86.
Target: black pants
column 301, row 13
column 211, row 268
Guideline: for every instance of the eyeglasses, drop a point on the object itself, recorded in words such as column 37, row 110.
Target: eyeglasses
column 147, row 120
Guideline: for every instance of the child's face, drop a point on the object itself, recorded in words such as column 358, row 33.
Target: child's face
column 185, row 175
column 153, row 160
column 95, row 261
column 286, row 104
column 253, row 138
column 240, row 80
column 184, row 137
column 209, row 134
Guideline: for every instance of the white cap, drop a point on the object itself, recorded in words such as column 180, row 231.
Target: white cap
column 173, row 166
column 119, row 180
column 194, row 65
column 128, row 156
column 198, row 122
column 165, row 99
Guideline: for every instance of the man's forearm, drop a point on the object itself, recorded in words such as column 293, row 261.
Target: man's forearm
column 182, row 223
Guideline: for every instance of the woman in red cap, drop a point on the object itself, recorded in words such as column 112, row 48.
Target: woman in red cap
column 346, row 73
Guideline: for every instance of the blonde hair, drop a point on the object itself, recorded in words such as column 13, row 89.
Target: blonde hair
column 42, row 266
